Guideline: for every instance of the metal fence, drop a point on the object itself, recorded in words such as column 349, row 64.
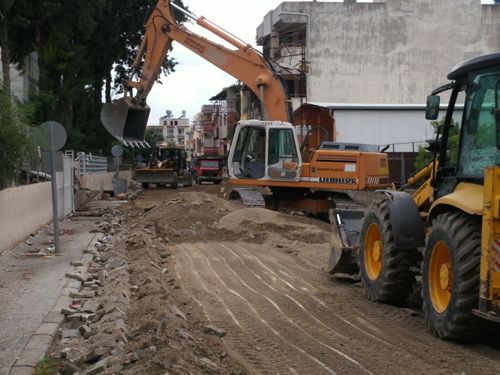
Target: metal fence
column 91, row 163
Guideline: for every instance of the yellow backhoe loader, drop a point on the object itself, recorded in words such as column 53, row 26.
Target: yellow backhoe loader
column 449, row 228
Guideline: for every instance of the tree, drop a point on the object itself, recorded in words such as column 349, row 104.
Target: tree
column 79, row 46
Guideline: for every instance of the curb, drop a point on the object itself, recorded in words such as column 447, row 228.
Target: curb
column 40, row 341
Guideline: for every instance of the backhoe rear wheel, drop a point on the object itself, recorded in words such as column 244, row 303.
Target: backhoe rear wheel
column 385, row 270
column 450, row 276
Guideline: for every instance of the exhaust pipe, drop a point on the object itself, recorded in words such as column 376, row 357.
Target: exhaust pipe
column 126, row 120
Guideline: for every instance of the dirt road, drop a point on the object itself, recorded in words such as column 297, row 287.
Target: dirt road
column 225, row 289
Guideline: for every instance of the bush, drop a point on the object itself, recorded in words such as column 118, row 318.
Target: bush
column 15, row 147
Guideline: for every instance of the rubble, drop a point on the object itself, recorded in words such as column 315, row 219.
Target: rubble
column 122, row 291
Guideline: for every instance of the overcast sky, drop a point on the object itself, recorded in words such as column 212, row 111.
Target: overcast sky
column 196, row 80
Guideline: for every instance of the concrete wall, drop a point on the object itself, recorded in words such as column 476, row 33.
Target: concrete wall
column 102, row 181
column 387, row 52
column 23, row 210
column 23, row 84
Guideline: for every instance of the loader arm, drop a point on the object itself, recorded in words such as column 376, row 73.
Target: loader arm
column 126, row 118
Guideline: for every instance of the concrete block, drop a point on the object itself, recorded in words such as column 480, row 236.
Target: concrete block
column 215, row 330
column 70, row 333
column 98, row 367
column 76, row 276
column 74, row 284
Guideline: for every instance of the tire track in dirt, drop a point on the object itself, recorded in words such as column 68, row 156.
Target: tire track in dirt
column 386, row 324
column 310, row 329
column 357, row 341
column 264, row 353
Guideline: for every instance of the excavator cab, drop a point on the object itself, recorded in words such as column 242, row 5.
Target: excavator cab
column 265, row 150
column 126, row 120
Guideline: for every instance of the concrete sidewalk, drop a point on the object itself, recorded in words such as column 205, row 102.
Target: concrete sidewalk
column 33, row 289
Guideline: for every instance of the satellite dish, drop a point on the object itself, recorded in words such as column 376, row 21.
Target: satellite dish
column 169, row 113
column 184, row 113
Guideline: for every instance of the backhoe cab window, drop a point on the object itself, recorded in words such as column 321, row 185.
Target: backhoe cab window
column 478, row 145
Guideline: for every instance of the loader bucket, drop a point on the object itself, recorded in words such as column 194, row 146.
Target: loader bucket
column 126, row 121
column 344, row 241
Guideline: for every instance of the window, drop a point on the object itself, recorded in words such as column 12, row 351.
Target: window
column 209, row 164
column 282, row 147
column 478, row 145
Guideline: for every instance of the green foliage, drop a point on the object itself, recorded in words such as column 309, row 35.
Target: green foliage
column 14, row 141
column 424, row 157
column 48, row 366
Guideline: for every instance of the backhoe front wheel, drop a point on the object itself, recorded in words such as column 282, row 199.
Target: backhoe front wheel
column 450, row 276
column 385, row 270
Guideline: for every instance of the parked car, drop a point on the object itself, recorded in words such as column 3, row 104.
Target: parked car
column 208, row 168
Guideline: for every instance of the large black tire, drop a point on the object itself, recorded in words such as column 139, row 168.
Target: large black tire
column 395, row 278
column 145, row 185
column 462, row 235
column 174, row 185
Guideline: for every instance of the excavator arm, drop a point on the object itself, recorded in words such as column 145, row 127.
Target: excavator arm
column 126, row 118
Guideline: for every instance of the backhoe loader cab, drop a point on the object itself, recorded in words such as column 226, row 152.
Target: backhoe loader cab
column 265, row 150
column 457, row 242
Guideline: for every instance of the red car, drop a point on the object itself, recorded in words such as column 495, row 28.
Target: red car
column 208, row 169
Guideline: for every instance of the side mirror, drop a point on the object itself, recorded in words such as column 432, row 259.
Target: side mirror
column 432, row 107
column 433, row 146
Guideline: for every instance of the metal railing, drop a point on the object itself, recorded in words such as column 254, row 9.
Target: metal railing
column 91, row 163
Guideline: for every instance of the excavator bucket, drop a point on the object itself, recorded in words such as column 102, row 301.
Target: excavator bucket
column 126, row 121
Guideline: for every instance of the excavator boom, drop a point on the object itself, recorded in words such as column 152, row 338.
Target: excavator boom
column 126, row 118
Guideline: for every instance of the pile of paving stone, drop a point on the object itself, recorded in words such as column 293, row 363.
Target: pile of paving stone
column 94, row 334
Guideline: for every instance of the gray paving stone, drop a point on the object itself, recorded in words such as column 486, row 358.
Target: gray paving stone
column 54, row 317
column 21, row 370
column 30, row 357
column 47, row 329
column 39, row 342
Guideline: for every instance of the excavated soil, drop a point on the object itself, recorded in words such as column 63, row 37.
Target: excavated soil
column 219, row 288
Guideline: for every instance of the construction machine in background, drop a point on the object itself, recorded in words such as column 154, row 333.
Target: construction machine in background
column 448, row 229
column 164, row 166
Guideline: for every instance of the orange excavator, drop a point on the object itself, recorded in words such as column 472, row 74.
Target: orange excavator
column 317, row 178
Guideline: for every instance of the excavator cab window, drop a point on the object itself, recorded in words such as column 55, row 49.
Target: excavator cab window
column 250, row 153
column 265, row 151
column 478, row 146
